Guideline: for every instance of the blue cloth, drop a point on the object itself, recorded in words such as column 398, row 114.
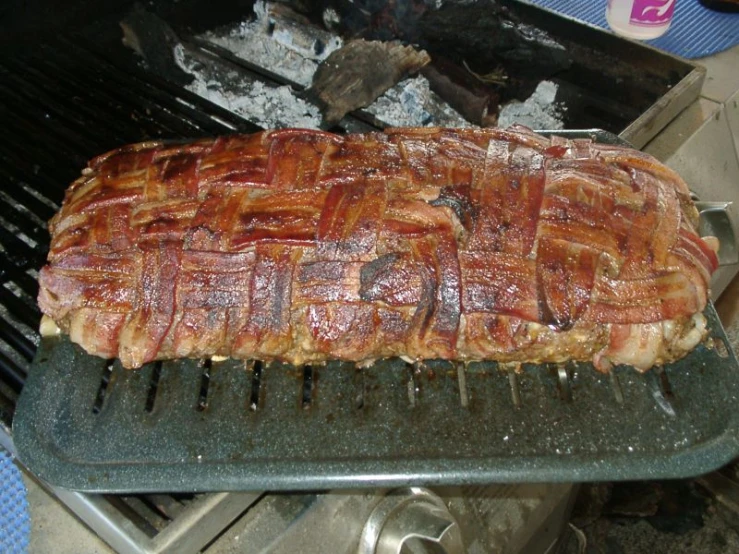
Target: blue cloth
column 695, row 32
column 15, row 523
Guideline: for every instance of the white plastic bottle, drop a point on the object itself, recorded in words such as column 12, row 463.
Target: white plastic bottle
column 640, row 19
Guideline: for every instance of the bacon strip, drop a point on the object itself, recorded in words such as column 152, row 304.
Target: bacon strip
column 306, row 246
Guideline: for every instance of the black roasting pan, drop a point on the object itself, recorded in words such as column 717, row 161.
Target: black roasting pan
column 286, row 428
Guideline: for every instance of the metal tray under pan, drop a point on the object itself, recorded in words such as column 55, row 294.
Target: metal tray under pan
column 88, row 424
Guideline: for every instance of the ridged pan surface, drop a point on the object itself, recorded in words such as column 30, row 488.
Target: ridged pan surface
column 86, row 424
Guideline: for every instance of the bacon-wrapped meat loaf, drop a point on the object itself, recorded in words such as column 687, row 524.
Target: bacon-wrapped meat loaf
column 306, row 246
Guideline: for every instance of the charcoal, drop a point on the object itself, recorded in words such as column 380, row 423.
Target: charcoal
column 487, row 33
column 463, row 91
column 355, row 75
column 273, row 39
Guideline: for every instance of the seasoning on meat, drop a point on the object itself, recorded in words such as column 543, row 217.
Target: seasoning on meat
column 305, row 246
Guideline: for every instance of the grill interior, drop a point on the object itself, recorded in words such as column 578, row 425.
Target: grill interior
column 69, row 96
column 62, row 103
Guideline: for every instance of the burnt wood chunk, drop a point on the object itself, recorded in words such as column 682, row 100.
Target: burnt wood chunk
column 356, row 74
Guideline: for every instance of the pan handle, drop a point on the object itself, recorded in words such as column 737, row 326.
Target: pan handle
column 715, row 221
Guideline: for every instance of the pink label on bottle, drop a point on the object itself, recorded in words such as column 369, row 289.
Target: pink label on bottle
column 652, row 13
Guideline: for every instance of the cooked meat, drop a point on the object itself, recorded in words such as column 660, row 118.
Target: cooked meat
column 305, row 246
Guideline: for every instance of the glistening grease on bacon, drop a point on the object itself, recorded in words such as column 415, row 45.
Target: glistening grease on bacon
column 305, row 246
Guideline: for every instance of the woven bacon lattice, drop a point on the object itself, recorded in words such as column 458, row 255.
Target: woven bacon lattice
column 303, row 246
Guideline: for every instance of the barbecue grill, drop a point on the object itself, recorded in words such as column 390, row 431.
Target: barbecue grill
column 76, row 95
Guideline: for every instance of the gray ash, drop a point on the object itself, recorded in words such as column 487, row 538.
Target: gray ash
column 289, row 48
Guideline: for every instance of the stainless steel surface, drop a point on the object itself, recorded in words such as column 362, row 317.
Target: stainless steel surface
column 715, row 221
column 196, row 527
column 6, row 441
column 505, row 519
column 310, row 523
column 411, row 521
column 200, row 523
column 649, row 124
column 699, row 145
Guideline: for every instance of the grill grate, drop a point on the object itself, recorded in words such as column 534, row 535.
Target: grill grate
column 63, row 104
